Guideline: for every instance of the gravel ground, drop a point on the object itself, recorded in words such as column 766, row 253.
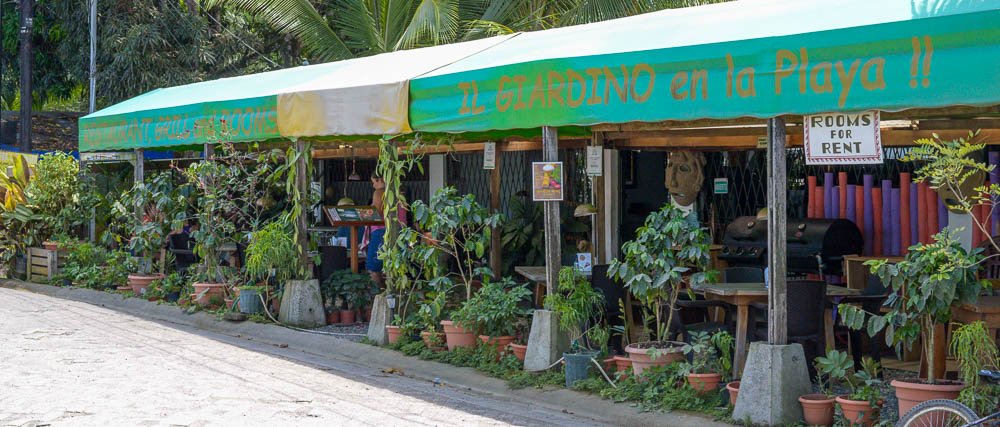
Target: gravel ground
column 352, row 332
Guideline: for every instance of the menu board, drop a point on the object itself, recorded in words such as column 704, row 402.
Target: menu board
column 352, row 214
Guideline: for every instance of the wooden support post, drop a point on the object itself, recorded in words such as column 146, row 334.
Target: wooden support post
column 553, row 249
column 496, row 257
column 139, row 174
column 597, row 221
column 777, row 333
column 209, row 151
column 302, row 184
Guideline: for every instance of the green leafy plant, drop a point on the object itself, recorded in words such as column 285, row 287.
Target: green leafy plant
column 975, row 349
column 926, row 285
column 161, row 204
column 523, row 236
column 354, row 289
column 162, row 288
column 458, row 227
column 576, row 302
column 704, row 355
column 271, row 253
column 725, row 344
column 864, row 385
column 494, row 309
column 598, row 337
column 836, row 365
column 668, row 253
column 55, row 192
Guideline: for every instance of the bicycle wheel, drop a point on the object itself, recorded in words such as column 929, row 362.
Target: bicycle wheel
column 938, row 413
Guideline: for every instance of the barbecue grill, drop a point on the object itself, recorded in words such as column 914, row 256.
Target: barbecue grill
column 814, row 245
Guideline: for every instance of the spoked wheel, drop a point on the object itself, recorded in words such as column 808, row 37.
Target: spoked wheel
column 938, row 413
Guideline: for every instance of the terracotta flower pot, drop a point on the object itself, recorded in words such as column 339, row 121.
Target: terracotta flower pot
column 704, row 383
column 332, row 317
column 457, row 336
column 857, row 412
column 622, row 363
column 499, row 343
column 394, row 332
column 817, row 409
column 912, row 392
column 139, row 282
column 734, row 391
column 433, row 340
column 347, row 316
column 518, row 350
column 50, row 246
column 204, row 293
column 638, row 354
column 124, row 288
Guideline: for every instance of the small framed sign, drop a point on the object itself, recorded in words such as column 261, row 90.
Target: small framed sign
column 595, row 161
column 842, row 138
column 547, row 181
column 490, row 155
column 721, row 186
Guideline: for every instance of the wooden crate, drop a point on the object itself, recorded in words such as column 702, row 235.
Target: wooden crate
column 43, row 264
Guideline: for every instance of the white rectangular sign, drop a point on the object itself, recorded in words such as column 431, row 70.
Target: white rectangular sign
column 842, row 139
column 490, row 155
column 595, row 161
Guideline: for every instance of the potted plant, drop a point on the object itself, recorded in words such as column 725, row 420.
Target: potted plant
column 931, row 280
column 428, row 318
column 818, row 408
column 577, row 304
column 168, row 288
column 621, row 361
column 862, row 405
column 934, row 278
column 494, row 311
column 975, row 349
column 669, row 253
column 349, row 291
column 704, row 371
column 519, row 348
column 457, row 228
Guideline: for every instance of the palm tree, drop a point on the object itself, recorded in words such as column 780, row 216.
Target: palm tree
column 340, row 29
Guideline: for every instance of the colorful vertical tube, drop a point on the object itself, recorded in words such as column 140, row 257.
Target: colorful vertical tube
column 851, row 202
column 859, row 207
column 922, row 213
column 894, row 225
column 811, row 207
column 869, row 224
column 932, row 213
column 886, row 235
column 977, row 234
column 877, row 238
column 828, row 192
column 904, row 213
column 835, row 202
column 914, row 207
column 942, row 215
column 820, row 203
column 842, row 202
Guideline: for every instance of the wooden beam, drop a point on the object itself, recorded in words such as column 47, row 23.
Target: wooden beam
column 553, row 249
column 597, row 221
column 777, row 178
column 371, row 152
column 496, row 250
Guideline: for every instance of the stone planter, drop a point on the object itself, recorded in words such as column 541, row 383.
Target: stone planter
column 817, row 409
column 638, row 354
column 457, row 336
column 139, row 282
column 302, row 304
column 912, row 392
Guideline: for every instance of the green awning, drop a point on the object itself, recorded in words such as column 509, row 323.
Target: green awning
column 759, row 58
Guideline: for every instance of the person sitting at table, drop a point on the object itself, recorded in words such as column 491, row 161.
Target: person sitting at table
column 376, row 234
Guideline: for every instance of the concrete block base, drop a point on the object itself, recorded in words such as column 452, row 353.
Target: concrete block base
column 773, row 379
column 379, row 320
column 302, row 304
column 545, row 344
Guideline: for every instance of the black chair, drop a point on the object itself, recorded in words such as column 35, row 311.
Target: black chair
column 181, row 246
column 743, row 275
column 805, row 323
column 870, row 300
column 613, row 291
column 332, row 258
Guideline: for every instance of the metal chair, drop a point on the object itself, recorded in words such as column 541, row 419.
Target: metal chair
column 805, row 323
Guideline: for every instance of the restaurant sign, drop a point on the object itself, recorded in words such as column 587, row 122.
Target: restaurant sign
column 842, row 138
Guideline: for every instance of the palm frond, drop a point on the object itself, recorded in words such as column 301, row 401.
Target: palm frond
column 434, row 22
column 299, row 19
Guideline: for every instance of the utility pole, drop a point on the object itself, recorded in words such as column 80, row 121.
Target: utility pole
column 27, row 21
column 93, row 54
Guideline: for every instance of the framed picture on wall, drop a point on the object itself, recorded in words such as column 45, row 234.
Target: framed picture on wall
column 547, row 181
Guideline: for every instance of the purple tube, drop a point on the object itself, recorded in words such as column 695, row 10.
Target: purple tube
column 914, row 207
column 887, row 217
column 869, row 228
column 828, row 195
column 835, row 202
column 943, row 214
column 994, row 158
column 851, row 211
column 895, row 247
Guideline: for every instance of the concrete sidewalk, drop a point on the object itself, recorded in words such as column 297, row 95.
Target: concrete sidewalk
column 327, row 347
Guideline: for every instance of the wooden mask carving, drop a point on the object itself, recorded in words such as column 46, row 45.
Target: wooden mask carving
column 685, row 176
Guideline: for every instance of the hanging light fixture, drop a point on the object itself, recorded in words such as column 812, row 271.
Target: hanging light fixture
column 354, row 168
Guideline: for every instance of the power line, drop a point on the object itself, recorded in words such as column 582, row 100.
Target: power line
column 236, row 36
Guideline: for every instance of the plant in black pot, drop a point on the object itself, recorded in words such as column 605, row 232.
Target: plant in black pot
column 578, row 306
column 669, row 255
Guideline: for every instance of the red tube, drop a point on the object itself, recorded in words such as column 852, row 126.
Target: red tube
column 811, row 208
column 977, row 234
column 877, row 216
column 932, row 213
column 904, row 212
column 818, row 208
column 842, row 182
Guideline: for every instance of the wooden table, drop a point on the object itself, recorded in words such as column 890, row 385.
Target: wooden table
column 536, row 274
column 987, row 310
column 742, row 295
column 856, row 273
